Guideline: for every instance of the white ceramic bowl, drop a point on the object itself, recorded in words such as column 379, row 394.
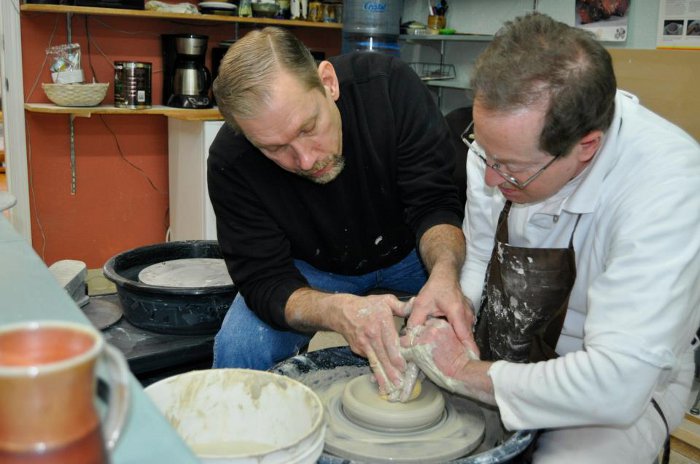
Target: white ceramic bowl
column 243, row 416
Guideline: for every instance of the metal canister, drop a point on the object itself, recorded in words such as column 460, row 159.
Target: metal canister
column 132, row 84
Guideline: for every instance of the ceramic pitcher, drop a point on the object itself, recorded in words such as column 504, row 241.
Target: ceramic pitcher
column 48, row 410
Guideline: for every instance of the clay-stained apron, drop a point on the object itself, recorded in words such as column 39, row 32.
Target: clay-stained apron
column 525, row 299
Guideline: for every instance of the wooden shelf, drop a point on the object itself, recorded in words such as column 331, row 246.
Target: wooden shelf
column 210, row 114
column 90, row 10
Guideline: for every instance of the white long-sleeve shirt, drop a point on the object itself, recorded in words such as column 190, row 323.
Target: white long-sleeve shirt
column 635, row 306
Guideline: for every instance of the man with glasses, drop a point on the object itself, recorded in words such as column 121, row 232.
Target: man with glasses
column 329, row 181
column 583, row 253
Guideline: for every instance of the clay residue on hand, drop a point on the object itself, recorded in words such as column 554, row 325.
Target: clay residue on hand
column 422, row 355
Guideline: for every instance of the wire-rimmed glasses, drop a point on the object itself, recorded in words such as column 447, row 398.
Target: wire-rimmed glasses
column 496, row 166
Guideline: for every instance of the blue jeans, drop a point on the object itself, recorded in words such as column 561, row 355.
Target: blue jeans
column 244, row 341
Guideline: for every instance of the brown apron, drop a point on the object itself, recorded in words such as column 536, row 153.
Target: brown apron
column 525, row 299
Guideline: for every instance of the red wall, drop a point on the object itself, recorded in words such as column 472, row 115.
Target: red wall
column 121, row 200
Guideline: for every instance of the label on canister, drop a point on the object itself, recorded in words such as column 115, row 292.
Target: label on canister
column 132, row 84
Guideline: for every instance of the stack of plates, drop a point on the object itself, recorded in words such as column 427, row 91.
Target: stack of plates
column 221, row 8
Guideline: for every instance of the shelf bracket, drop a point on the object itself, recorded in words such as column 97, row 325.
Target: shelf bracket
column 73, row 177
column 71, row 122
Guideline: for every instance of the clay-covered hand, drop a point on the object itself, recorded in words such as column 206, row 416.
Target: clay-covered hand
column 443, row 298
column 437, row 351
column 412, row 379
column 368, row 327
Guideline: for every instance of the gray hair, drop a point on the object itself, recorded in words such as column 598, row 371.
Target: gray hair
column 248, row 70
column 536, row 60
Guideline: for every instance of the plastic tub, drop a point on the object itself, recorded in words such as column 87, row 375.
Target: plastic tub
column 242, row 416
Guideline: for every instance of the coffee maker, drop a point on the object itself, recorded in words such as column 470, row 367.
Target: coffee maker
column 186, row 80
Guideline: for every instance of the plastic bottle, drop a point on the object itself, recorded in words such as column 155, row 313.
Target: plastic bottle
column 372, row 25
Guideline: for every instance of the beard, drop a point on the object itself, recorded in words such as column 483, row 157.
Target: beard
column 333, row 166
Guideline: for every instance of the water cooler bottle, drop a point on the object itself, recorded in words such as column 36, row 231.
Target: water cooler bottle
column 372, row 25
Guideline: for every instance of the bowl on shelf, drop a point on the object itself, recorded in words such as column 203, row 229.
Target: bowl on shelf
column 265, row 10
column 76, row 94
column 218, row 8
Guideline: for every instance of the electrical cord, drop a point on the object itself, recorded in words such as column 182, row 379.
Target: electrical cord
column 32, row 192
column 89, row 53
column 104, row 122
column 30, row 174
column 123, row 157
column 92, row 42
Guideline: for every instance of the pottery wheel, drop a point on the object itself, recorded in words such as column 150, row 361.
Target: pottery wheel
column 101, row 313
column 187, row 272
column 380, row 431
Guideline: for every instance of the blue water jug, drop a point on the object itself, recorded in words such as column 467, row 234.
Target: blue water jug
column 372, row 25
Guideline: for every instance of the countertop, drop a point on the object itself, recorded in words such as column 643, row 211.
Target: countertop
column 28, row 292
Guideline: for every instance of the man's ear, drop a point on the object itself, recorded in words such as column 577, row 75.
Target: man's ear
column 329, row 79
column 589, row 145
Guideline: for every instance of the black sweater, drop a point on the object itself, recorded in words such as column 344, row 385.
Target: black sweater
column 397, row 183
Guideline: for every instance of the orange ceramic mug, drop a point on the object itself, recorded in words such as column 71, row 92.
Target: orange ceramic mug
column 47, row 393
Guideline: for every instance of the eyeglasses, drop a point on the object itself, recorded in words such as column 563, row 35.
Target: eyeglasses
column 496, row 166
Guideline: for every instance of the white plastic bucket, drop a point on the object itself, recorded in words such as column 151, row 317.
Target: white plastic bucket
column 243, row 416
